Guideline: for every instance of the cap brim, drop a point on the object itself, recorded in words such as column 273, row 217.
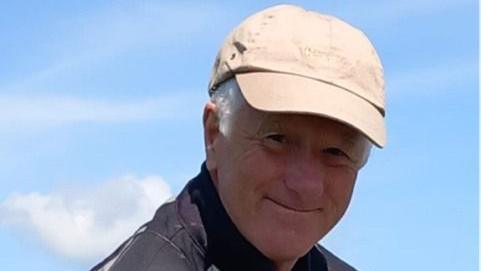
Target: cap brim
column 281, row 92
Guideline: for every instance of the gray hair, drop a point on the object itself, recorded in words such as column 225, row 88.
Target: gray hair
column 228, row 99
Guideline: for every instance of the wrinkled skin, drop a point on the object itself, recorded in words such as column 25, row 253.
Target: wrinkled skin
column 284, row 179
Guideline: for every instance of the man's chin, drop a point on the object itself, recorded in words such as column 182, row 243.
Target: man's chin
column 282, row 246
column 285, row 252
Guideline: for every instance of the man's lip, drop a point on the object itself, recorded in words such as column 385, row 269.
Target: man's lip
column 292, row 208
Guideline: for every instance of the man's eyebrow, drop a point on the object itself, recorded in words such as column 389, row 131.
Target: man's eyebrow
column 355, row 142
column 268, row 122
column 349, row 140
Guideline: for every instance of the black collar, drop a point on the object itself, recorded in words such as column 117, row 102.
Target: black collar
column 215, row 234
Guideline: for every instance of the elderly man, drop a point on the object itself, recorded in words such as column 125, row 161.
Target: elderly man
column 297, row 100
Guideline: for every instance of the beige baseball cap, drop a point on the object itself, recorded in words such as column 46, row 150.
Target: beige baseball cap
column 290, row 60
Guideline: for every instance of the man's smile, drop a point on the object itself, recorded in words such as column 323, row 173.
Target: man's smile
column 292, row 207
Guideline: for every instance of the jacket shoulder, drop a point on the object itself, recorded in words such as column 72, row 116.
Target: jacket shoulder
column 333, row 262
column 152, row 248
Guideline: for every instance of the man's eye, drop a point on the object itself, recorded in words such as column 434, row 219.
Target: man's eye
column 276, row 137
column 336, row 152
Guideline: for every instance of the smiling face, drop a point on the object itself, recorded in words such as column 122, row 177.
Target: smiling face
column 284, row 179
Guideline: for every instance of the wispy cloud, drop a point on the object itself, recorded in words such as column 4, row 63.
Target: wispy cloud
column 85, row 224
column 435, row 79
column 379, row 14
column 84, row 42
column 17, row 112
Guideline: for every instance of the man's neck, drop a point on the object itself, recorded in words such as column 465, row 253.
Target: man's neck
column 284, row 266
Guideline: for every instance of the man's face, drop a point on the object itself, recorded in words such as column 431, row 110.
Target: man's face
column 284, row 179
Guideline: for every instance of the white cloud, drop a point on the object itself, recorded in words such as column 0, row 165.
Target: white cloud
column 86, row 224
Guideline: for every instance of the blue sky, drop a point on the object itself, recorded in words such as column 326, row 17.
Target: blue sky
column 100, row 121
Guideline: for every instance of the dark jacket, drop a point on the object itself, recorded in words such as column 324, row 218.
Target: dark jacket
column 194, row 232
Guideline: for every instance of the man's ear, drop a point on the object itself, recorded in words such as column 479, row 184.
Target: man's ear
column 211, row 134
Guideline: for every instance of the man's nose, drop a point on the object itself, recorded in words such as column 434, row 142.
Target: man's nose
column 306, row 176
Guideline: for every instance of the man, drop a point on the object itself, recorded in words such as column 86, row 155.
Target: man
column 297, row 100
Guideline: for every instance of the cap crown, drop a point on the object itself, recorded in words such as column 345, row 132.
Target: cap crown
column 289, row 39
